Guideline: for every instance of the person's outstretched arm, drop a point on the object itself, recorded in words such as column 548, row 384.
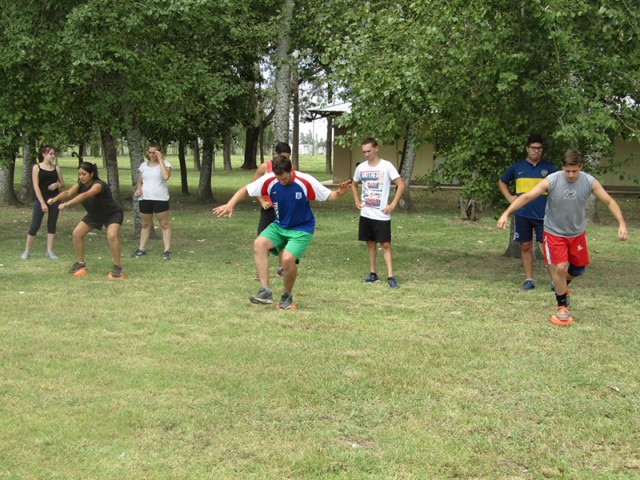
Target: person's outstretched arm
column 227, row 208
column 340, row 191
column 522, row 200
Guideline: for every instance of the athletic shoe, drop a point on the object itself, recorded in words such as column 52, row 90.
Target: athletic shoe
column 280, row 272
column 392, row 282
column 371, row 278
column 166, row 255
column 286, row 301
column 139, row 252
column 51, row 255
column 264, row 296
column 528, row 285
column 78, row 269
column 25, row 256
column 116, row 272
column 561, row 317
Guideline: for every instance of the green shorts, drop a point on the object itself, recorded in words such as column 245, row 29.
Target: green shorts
column 293, row 241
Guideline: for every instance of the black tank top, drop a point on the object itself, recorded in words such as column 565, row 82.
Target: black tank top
column 46, row 178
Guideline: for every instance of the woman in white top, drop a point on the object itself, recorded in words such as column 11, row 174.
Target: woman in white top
column 153, row 194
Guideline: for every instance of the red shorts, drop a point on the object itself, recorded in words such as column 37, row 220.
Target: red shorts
column 565, row 249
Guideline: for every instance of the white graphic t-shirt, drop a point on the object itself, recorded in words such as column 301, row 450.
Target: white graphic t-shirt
column 376, row 184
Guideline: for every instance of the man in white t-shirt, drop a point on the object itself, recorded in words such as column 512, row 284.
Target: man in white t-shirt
column 376, row 176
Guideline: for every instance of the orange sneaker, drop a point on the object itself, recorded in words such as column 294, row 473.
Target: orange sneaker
column 561, row 317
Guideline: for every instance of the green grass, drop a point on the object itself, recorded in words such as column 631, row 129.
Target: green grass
column 172, row 373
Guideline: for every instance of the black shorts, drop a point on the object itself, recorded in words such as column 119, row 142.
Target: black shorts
column 267, row 217
column 374, row 230
column 98, row 222
column 153, row 206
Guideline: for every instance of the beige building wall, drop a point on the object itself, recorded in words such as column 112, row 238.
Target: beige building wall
column 627, row 165
column 627, row 160
column 345, row 159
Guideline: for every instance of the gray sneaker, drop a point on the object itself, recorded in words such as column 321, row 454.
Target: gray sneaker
column 166, row 255
column 263, row 297
column 286, row 301
column 139, row 252
column 528, row 285
column 51, row 255
column 25, row 256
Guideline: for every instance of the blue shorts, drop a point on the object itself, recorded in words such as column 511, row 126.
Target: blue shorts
column 524, row 228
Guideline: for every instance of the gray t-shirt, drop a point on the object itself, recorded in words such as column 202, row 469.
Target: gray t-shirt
column 565, row 212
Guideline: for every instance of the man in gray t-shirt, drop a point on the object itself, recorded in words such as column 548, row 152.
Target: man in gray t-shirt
column 564, row 241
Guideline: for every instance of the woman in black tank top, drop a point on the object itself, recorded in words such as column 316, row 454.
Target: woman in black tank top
column 47, row 180
column 102, row 211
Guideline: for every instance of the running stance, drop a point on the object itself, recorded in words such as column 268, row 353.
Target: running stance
column 267, row 212
column 293, row 228
column 564, row 242
column 47, row 181
column 102, row 210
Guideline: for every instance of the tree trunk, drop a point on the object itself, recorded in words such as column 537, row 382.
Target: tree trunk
column 591, row 211
column 295, row 150
column 196, row 155
column 26, row 193
column 470, row 209
column 328, row 145
column 205, row 192
column 406, row 169
column 226, row 151
column 251, row 148
column 283, row 80
column 182, row 158
column 261, row 144
column 110, row 159
column 136, row 156
column 7, row 191
column 81, row 152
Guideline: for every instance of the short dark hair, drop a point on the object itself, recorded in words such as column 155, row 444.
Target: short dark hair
column 371, row 141
column 572, row 157
column 282, row 147
column 535, row 138
column 281, row 164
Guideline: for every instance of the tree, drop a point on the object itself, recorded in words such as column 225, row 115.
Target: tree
column 283, row 73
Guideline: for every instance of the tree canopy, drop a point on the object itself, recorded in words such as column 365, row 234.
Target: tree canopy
column 473, row 78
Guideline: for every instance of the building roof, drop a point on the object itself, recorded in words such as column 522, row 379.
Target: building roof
column 333, row 110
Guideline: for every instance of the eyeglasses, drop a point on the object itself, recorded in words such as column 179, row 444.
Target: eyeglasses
column 535, row 149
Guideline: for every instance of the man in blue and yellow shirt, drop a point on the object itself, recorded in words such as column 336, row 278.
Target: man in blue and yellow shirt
column 526, row 174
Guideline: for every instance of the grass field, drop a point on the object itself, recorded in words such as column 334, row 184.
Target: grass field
column 173, row 374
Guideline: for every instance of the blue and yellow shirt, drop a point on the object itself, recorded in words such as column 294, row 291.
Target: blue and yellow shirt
column 526, row 176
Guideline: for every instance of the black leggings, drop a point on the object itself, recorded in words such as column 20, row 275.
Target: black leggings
column 38, row 215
